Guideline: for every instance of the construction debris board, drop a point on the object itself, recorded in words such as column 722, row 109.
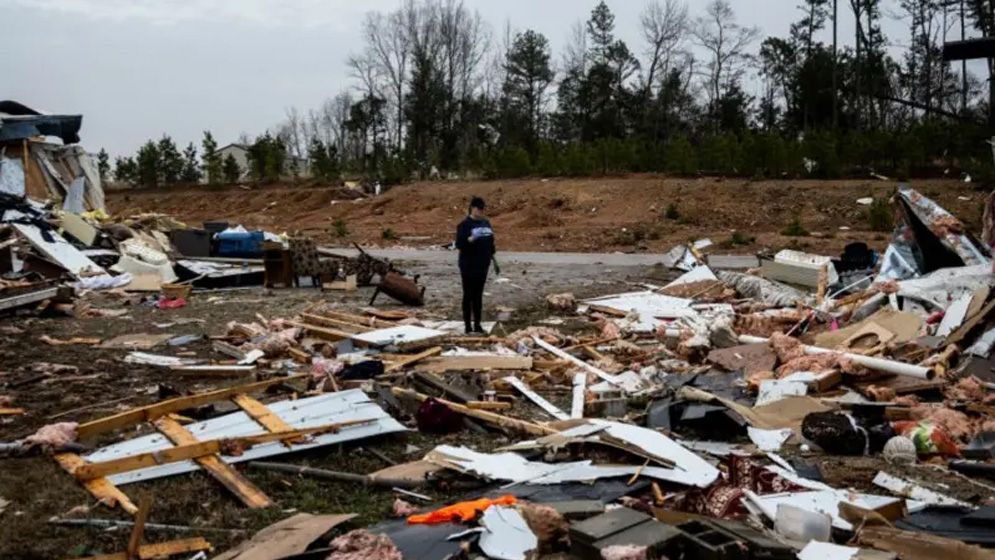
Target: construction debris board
column 330, row 408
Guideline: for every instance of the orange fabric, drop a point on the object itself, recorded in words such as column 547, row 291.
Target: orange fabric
column 463, row 511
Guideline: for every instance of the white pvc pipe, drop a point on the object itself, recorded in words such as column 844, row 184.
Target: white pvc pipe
column 877, row 364
column 581, row 363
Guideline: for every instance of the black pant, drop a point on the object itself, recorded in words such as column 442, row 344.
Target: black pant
column 473, row 297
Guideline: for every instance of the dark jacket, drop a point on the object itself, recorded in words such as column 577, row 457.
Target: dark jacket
column 475, row 256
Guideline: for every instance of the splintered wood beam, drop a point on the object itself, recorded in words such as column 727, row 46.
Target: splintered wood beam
column 248, row 493
column 160, row 550
column 90, row 471
column 263, row 415
column 334, row 323
column 408, row 360
column 138, row 530
column 488, row 417
column 331, row 335
column 163, row 408
column 100, row 488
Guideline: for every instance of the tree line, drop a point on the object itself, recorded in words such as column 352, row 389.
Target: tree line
column 435, row 91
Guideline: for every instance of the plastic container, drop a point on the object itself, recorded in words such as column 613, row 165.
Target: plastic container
column 240, row 244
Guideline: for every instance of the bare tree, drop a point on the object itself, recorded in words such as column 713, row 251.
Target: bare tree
column 575, row 54
column 664, row 27
column 388, row 46
column 726, row 42
column 292, row 131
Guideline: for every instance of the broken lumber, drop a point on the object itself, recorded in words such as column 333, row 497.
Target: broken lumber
column 100, row 488
column 435, row 382
column 334, row 323
column 336, row 476
column 222, row 371
column 163, row 408
column 488, row 417
column 408, row 360
column 263, row 416
column 332, row 335
column 248, row 493
column 90, row 471
column 138, row 530
column 475, row 363
column 489, row 405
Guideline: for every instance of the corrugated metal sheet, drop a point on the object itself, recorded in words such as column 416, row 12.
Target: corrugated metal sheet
column 330, row 408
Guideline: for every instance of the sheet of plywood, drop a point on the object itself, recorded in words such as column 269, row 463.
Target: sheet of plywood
column 475, row 363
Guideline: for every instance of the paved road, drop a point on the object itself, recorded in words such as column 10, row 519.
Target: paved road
column 442, row 256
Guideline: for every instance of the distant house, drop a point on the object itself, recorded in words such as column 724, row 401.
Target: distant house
column 241, row 154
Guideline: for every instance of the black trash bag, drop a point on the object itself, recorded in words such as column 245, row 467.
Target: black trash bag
column 836, row 433
column 362, row 371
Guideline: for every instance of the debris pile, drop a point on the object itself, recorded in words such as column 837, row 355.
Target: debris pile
column 706, row 418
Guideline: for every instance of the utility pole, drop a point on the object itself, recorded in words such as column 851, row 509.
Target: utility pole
column 963, row 63
column 836, row 103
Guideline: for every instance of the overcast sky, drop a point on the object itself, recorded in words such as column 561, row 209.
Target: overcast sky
column 136, row 69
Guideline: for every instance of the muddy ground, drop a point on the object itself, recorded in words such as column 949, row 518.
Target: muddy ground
column 588, row 215
column 38, row 490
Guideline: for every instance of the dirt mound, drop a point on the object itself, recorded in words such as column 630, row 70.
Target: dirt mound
column 595, row 214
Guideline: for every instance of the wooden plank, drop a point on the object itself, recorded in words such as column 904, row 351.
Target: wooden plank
column 160, row 409
column 159, row 550
column 488, row 417
column 408, row 360
column 299, row 356
column 332, row 335
column 214, row 371
column 138, row 530
column 263, row 415
column 435, row 382
column 89, row 471
column 100, row 488
column 969, row 325
column 592, row 353
column 334, row 323
column 224, row 473
column 489, row 405
column 475, row 363
column 372, row 322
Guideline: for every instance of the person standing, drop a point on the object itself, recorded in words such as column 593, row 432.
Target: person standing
column 475, row 242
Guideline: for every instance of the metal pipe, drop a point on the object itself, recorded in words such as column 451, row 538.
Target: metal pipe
column 152, row 526
column 877, row 364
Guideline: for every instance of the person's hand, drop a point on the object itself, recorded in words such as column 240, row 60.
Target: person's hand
column 472, row 238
